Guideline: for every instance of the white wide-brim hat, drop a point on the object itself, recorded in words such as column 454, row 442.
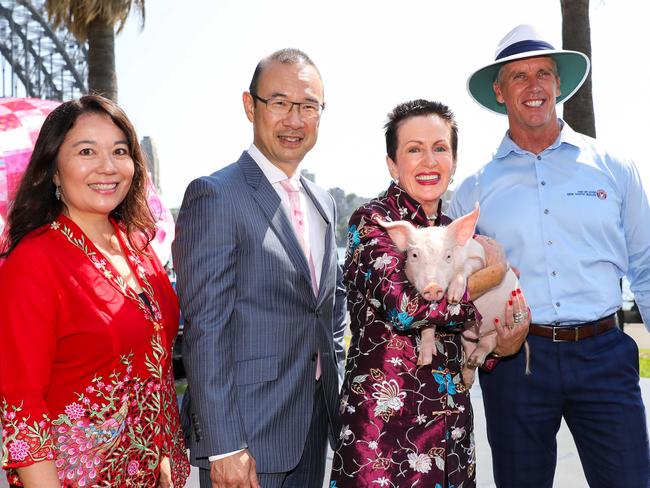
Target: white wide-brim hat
column 525, row 42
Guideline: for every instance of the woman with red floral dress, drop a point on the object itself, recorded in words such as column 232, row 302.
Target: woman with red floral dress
column 404, row 424
column 89, row 317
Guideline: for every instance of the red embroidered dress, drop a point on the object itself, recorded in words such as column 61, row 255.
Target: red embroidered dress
column 85, row 368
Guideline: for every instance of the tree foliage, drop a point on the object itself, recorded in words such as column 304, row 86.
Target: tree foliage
column 95, row 21
column 78, row 15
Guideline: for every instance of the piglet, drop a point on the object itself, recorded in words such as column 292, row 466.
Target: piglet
column 438, row 261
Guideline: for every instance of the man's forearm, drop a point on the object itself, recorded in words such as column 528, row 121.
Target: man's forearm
column 485, row 279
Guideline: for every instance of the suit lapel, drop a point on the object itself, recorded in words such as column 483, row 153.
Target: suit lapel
column 269, row 201
column 327, row 255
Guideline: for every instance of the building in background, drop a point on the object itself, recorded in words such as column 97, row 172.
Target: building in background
column 153, row 163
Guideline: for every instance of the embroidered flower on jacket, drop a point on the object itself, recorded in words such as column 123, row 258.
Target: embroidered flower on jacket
column 388, row 396
column 445, row 383
column 382, row 261
column 457, row 433
column 345, row 432
column 354, row 239
column 74, row 411
column 419, row 462
column 395, row 361
column 132, row 467
column 372, row 445
column 383, row 481
column 421, row 419
column 400, row 320
column 19, row 450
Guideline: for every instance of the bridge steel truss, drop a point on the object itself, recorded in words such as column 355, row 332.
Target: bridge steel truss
column 48, row 63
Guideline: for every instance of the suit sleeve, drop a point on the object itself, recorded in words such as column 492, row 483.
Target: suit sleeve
column 340, row 314
column 204, row 258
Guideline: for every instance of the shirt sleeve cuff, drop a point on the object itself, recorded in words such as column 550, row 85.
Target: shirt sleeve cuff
column 221, row 456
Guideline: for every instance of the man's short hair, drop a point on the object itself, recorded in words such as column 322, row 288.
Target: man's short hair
column 287, row 55
column 416, row 108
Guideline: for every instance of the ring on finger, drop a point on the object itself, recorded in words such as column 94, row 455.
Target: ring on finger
column 519, row 317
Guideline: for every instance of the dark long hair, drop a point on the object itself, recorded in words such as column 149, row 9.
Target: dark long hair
column 36, row 205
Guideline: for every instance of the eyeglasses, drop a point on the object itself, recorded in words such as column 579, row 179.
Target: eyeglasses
column 282, row 106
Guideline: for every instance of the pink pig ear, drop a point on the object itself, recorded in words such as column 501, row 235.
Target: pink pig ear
column 463, row 228
column 400, row 232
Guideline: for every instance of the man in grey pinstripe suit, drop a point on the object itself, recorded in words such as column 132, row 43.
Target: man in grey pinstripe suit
column 261, row 292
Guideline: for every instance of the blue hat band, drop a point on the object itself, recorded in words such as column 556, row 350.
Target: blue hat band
column 523, row 47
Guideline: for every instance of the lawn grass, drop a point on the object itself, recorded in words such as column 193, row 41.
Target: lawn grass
column 644, row 363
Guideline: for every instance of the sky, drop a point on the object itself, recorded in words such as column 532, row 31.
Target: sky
column 181, row 78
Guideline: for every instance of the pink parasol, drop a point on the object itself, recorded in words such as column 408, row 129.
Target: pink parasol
column 20, row 121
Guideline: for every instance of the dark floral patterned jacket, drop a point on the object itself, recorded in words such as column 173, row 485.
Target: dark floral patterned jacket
column 403, row 425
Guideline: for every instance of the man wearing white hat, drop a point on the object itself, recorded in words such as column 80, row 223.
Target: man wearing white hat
column 573, row 218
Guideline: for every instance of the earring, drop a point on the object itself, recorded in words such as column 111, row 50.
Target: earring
column 57, row 193
column 451, row 180
column 396, row 180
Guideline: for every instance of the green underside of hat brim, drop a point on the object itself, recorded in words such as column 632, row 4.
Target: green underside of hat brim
column 572, row 68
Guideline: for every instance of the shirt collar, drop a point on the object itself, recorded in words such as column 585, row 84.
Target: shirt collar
column 567, row 135
column 409, row 208
column 271, row 171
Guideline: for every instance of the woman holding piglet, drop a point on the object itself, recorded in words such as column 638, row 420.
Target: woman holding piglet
column 405, row 409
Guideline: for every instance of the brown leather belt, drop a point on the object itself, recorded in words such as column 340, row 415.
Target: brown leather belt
column 576, row 332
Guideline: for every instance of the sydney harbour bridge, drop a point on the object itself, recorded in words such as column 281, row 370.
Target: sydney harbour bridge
column 37, row 60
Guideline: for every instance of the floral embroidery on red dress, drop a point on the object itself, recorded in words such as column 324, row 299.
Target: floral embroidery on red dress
column 120, row 426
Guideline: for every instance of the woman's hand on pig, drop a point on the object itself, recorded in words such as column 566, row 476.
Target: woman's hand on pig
column 512, row 334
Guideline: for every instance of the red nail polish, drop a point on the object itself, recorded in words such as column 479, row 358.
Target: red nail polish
column 496, row 320
column 518, row 291
column 509, row 302
column 514, row 293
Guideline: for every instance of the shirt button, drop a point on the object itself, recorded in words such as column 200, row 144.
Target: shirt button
column 549, row 243
column 546, row 211
column 557, row 304
column 539, row 158
column 543, row 183
column 553, row 273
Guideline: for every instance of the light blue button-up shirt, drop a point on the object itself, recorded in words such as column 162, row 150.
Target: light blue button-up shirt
column 573, row 219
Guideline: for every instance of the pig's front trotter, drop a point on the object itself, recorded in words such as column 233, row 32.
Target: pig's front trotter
column 469, row 374
column 427, row 348
column 475, row 361
column 456, row 288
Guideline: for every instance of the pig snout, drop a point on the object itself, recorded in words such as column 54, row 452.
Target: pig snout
column 433, row 292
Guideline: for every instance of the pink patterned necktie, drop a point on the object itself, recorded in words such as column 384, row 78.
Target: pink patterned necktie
column 298, row 222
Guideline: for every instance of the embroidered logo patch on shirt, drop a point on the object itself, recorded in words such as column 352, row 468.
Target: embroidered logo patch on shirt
column 600, row 194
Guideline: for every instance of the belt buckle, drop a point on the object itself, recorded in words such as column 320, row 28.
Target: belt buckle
column 556, row 339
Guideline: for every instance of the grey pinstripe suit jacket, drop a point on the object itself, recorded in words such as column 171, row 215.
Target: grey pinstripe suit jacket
column 252, row 322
